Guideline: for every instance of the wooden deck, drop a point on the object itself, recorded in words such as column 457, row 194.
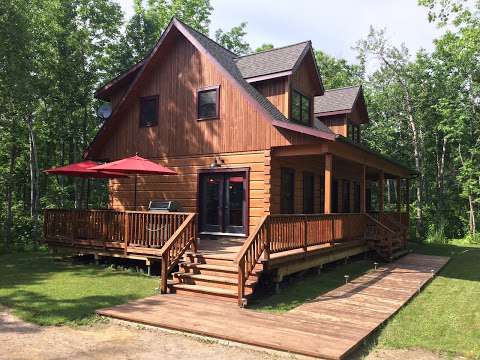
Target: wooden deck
column 330, row 326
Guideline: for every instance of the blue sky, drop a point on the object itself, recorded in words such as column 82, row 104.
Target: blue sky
column 333, row 26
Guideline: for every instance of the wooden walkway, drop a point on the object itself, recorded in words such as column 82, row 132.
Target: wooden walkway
column 330, row 326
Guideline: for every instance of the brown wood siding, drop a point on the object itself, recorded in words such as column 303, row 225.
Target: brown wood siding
column 241, row 126
column 336, row 123
column 275, row 90
column 183, row 187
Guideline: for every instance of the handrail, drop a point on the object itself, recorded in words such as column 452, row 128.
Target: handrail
column 171, row 252
column 250, row 253
column 376, row 222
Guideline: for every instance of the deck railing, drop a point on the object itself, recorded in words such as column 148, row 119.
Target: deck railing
column 279, row 233
column 133, row 231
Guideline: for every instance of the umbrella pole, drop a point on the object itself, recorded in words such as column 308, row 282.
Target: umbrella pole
column 135, row 194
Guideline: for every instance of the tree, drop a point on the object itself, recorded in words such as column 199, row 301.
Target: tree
column 264, row 47
column 337, row 72
column 395, row 62
column 234, row 40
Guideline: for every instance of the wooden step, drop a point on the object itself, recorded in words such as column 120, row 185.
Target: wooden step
column 211, row 281
column 214, row 270
column 208, row 291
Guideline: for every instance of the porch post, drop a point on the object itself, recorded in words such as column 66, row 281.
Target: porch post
column 328, row 183
column 381, row 184
column 363, row 190
column 340, row 195
column 352, row 196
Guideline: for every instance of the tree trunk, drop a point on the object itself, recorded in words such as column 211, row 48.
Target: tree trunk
column 9, row 196
column 34, row 196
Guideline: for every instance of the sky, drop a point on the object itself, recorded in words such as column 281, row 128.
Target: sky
column 333, row 26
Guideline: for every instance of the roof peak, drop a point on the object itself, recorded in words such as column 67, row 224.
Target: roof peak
column 205, row 36
column 274, row 49
column 344, row 87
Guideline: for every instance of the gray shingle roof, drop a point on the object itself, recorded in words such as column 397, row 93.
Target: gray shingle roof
column 271, row 61
column 341, row 99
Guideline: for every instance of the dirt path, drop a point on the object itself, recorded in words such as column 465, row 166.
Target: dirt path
column 116, row 340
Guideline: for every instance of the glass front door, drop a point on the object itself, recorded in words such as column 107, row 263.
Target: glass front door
column 223, row 202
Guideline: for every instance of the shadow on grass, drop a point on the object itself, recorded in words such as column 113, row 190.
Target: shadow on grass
column 48, row 292
column 298, row 292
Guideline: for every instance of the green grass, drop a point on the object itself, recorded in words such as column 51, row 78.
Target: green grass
column 47, row 292
column 308, row 288
column 445, row 316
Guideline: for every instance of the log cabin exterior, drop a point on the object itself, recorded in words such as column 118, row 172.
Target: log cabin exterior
column 271, row 169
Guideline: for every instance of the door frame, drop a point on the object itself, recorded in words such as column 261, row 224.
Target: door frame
column 246, row 210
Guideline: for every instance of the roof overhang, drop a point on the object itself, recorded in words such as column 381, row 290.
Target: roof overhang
column 268, row 76
column 306, row 130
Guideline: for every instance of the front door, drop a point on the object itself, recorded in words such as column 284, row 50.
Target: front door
column 223, row 202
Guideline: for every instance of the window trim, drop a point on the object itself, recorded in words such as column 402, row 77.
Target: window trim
column 302, row 96
column 208, row 88
column 143, row 100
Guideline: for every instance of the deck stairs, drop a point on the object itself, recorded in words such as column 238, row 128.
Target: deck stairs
column 211, row 272
column 388, row 249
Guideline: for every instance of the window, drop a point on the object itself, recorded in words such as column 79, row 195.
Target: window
column 148, row 111
column 353, row 132
column 287, row 191
column 346, row 196
column 308, row 192
column 207, row 103
column 301, row 108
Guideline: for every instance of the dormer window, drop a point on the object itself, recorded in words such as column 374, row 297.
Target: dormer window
column 148, row 111
column 353, row 132
column 301, row 108
column 208, row 103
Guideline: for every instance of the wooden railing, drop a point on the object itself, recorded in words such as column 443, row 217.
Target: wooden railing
column 183, row 239
column 279, row 233
column 134, row 231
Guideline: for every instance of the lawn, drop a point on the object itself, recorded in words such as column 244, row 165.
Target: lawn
column 47, row 292
column 445, row 316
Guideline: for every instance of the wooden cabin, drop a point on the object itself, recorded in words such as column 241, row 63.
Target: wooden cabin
column 272, row 173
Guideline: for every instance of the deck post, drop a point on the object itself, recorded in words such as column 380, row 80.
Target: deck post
column 305, row 234
column 127, row 233
column 363, row 190
column 399, row 199
column 328, row 183
column 163, row 279
column 266, row 251
column 241, row 283
column 381, row 188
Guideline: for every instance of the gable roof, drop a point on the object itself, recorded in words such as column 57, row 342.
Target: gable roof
column 225, row 60
column 272, row 61
column 339, row 101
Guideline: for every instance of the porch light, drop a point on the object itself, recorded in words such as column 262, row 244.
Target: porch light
column 217, row 162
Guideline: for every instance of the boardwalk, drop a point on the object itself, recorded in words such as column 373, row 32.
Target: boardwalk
column 330, row 326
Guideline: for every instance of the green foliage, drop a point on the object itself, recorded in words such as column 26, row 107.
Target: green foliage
column 48, row 292
column 234, row 40
column 264, row 47
column 338, row 73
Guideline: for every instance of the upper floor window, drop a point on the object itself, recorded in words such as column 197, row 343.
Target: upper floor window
column 148, row 111
column 208, row 103
column 353, row 132
column 301, row 108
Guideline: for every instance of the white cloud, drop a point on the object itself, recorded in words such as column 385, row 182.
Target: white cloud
column 333, row 26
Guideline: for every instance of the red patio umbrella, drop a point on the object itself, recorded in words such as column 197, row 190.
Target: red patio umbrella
column 138, row 166
column 83, row 170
